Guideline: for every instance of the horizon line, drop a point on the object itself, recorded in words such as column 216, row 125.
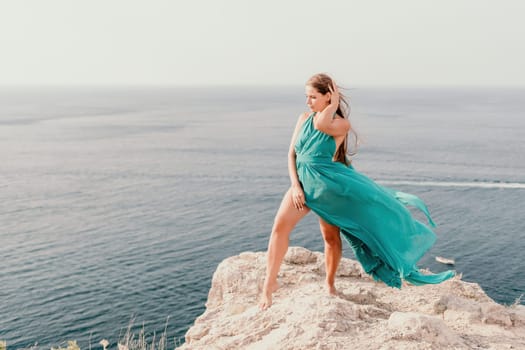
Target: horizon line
column 263, row 85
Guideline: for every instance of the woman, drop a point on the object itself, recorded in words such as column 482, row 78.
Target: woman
column 385, row 238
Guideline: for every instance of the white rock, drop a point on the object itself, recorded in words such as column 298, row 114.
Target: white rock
column 299, row 255
column 419, row 327
column 365, row 315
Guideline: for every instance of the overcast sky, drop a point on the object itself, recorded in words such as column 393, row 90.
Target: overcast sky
column 210, row 42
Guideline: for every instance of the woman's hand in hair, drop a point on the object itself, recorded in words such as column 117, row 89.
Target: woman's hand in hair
column 326, row 121
column 334, row 94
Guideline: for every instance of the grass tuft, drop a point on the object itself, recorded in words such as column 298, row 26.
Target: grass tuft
column 517, row 301
column 71, row 345
column 128, row 341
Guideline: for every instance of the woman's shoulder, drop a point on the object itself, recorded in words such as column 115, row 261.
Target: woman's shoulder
column 303, row 116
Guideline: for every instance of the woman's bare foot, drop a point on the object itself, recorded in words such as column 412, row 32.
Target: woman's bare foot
column 330, row 288
column 266, row 298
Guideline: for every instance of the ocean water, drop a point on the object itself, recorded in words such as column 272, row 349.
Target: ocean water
column 117, row 204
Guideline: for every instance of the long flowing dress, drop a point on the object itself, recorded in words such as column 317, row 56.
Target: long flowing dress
column 384, row 236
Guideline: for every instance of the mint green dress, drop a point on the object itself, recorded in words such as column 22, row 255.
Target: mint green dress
column 384, row 236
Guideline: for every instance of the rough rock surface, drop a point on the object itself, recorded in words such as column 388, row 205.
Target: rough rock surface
column 365, row 315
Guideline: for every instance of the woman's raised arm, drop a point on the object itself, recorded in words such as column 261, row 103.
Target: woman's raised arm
column 327, row 122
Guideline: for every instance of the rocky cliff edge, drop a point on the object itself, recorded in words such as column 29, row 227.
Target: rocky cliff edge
column 365, row 315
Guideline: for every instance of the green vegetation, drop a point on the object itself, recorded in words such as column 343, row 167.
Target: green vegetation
column 129, row 341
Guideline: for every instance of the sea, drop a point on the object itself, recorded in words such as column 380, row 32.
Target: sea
column 118, row 203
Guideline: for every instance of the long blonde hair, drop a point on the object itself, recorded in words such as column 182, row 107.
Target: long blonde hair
column 321, row 82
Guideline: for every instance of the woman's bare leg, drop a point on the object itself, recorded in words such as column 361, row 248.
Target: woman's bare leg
column 332, row 253
column 285, row 220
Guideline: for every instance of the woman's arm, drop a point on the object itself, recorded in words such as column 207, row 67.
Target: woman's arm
column 327, row 121
column 297, row 191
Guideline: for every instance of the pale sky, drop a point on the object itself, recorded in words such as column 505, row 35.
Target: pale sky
column 233, row 42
